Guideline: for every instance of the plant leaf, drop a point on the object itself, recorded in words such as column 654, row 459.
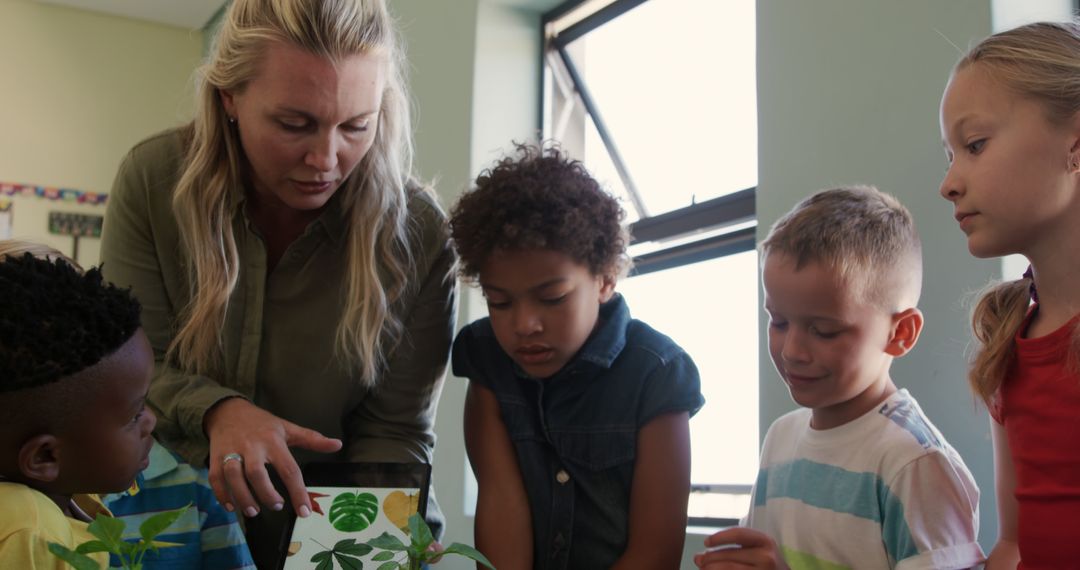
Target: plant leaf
column 109, row 530
column 421, row 534
column 468, row 552
column 327, row 564
column 92, row 546
column 75, row 559
column 321, row 556
column 383, row 556
column 386, row 541
column 353, row 512
column 352, row 549
column 154, row 525
column 389, row 566
column 348, row 562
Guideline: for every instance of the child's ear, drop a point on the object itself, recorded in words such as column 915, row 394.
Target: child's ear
column 39, row 458
column 906, row 326
column 607, row 287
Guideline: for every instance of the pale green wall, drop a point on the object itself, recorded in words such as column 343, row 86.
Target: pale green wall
column 475, row 81
column 80, row 90
column 848, row 92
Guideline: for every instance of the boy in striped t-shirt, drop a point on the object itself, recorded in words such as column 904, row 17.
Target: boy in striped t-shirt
column 206, row 535
column 859, row 478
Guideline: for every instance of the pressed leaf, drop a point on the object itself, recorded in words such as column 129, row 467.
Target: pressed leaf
column 348, row 562
column 353, row 512
column 386, row 541
column 398, row 506
column 468, row 552
column 383, row 556
column 154, row 525
column 109, row 530
column 75, row 559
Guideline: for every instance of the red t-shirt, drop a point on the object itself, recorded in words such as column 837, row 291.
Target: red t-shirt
column 1040, row 409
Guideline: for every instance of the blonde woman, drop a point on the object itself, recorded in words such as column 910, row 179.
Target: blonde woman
column 295, row 281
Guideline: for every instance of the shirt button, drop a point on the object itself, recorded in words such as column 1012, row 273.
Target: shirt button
column 562, row 476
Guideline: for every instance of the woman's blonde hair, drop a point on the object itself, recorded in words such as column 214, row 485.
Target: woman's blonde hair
column 374, row 196
column 1040, row 62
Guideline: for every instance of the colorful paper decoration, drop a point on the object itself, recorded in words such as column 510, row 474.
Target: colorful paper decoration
column 51, row 193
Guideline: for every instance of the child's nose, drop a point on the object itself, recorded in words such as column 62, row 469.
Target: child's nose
column 951, row 189
column 149, row 419
column 794, row 349
column 526, row 322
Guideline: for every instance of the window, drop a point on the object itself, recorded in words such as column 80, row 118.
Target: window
column 658, row 99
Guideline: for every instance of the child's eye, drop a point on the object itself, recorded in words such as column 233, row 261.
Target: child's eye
column 497, row 305
column 778, row 325
column 823, row 334
column 976, row 146
column 138, row 416
column 554, row 301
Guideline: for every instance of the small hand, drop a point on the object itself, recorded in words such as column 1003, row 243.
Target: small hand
column 236, row 426
column 739, row 548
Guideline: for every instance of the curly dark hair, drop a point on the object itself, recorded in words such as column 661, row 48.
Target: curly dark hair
column 56, row 321
column 538, row 198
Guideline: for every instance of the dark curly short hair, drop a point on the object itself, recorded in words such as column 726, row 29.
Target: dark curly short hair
column 538, row 198
column 56, row 321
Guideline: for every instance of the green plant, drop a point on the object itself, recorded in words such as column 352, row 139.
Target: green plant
column 109, row 532
column 396, row 555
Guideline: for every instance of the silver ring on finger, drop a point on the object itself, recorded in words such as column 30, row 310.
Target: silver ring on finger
column 232, row 457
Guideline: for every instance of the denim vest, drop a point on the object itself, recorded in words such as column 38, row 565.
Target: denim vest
column 575, row 433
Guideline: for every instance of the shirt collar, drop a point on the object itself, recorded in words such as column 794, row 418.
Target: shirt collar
column 333, row 221
column 609, row 337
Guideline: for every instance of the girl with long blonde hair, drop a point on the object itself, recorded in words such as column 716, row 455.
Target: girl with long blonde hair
column 1010, row 119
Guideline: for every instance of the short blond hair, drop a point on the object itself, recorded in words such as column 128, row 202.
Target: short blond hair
column 864, row 234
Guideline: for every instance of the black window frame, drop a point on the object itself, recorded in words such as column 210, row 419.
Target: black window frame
column 727, row 224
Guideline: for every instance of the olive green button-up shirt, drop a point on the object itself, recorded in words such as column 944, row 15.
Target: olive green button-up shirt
column 279, row 331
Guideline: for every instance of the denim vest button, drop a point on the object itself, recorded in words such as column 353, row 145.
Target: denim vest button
column 562, row 476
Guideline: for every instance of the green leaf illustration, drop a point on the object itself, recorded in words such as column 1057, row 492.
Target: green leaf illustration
column 349, row 546
column 353, row 512
column 348, row 562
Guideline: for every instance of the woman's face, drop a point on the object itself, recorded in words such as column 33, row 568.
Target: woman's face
column 305, row 122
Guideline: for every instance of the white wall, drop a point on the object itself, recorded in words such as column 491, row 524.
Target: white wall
column 80, row 89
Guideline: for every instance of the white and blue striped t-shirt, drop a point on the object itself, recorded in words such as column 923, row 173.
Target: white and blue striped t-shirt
column 883, row 491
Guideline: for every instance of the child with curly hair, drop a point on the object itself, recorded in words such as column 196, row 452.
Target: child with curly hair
column 577, row 416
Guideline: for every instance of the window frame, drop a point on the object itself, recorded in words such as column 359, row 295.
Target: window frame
column 727, row 224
